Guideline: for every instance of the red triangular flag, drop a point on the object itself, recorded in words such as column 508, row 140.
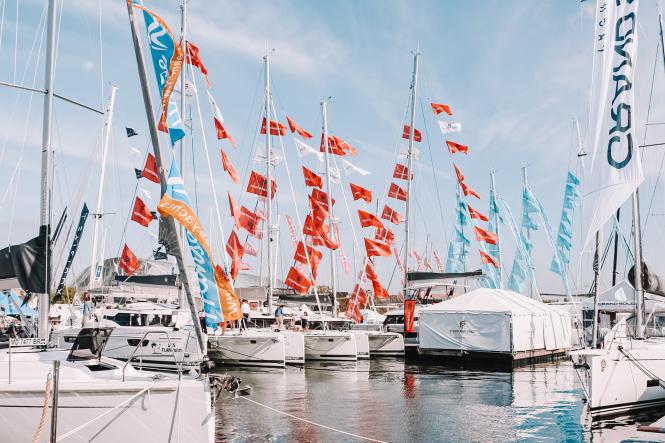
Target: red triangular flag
column 466, row 189
column 406, row 133
column 457, row 147
column 194, row 59
column 150, row 169
column 391, row 215
column 401, row 172
column 487, row 259
column 128, row 261
column 312, row 179
column 367, row 219
column 376, row 249
column 295, row 128
column 359, row 192
column 258, row 185
column 397, row 192
column 298, row 282
column 475, row 214
column 438, row 108
column 140, row 213
column 486, row 236
column 228, row 167
column 276, row 128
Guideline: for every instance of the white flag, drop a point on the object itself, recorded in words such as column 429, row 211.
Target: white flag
column 275, row 159
column 334, row 174
column 403, row 153
column 305, row 149
column 135, row 152
column 447, row 127
column 145, row 193
column 615, row 171
column 350, row 168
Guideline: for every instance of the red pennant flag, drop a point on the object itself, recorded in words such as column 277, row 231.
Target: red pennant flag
column 353, row 312
column 319, row 214
column 128, row 261
column 370, row 273
column 486, row 236
column 344, row 146
column 228, row 167
column 457, row 147
column 475, row 214
column 391, row 215
column 401, row 172
column 150, row 169
column 276, row 128
column 258, row 185
column 367, row 220
column 333, row 148
column 320, row 197
column 460, row 176
column 222, row 133
column 314, row 256
column 298, row 282
column 487, row 259
column 359, row 192
column 376, row 249
column 248, row 220
column 140, row 213
column 409, row 315
column 417, row 136
column 194, row 59
column 312, row 179
column 385, row 235
column 319, row 234
column 397, row 192
column 468, row 191
column 235, row 251
column 235, row 213
column 295, row 128
column 438, row 108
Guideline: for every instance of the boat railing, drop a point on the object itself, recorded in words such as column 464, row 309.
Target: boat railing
column 178, row 364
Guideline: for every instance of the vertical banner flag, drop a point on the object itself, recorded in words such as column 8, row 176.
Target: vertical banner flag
column 163, row 48
column 564, row 238
column 615, row 171
column 72, row 250
column 409, row 315
column 175, row 202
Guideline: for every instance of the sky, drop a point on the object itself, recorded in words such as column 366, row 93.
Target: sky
column 516, row 75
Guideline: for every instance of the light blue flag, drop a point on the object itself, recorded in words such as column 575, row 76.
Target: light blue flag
column 162, row 48
column 203, row 263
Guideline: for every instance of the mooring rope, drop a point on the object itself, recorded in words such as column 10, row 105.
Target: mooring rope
column 42, row 419
column 313, row 423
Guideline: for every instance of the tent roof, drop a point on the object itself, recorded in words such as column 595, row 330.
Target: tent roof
column 488, row 300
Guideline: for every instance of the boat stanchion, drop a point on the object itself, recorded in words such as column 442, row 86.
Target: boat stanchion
column 54, row 406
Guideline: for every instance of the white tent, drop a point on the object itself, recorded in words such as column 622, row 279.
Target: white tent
column 493, row 320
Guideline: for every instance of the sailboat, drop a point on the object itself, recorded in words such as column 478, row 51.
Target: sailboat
column 94, row 397
column 628, row 370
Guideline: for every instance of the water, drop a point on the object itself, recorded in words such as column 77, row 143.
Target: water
column 392, row 401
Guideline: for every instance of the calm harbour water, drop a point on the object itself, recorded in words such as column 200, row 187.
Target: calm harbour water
column 392, row 401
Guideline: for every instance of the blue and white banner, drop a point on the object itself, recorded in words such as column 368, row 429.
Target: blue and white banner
column 564, row 238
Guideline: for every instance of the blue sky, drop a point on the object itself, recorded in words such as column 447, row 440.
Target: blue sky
column 516, row 73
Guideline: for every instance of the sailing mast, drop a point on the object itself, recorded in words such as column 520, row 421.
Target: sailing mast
column 100, row 192
column 409, row 171
column 183, row 103
column 333, row 265
column 44, row 203
column 266, row 64
column 171, row 234
column 498, row 248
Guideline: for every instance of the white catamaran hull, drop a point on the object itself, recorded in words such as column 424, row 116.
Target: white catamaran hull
column 248, row 348
column 362, row 345
column 330, row 345
column 385, row 344
column 294, row 346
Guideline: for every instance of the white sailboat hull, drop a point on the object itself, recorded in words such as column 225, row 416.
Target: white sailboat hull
column 330, row 345
column 362, row 345
column 248, row 348
column 385, row 344
column 294, row 346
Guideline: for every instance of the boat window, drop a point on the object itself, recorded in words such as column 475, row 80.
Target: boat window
column 121, row 318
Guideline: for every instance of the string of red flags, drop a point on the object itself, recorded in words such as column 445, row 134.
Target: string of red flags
column 376, row 249
column 235, row 250
column 438, row 108
column 358, row 192
column 406, row 133
column 140, row 213
column 485, row 236
column 454, row 147
column 312, row 179
column 258, row 185
column 128, row 261
column 487, row 259
column 221, row 131
column 297, row 129
column 397, row 192
column 194, row 59
column 276, row 128
column 149, row 170
column 476, row 214
column 228, row 167
column 391, row 215
column 369, row 220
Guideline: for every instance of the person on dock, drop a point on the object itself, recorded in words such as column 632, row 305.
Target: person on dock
column 245, row 313
column 279, row 316
column 304, row 322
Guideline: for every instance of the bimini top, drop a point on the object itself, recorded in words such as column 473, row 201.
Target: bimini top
column 487, row 300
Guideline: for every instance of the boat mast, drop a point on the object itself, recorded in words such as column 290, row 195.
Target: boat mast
column 498, row 248
column 596, row 283
column 183, row 103
column 528, row 232
column 331, row 218
column 266, row 64
column 169, row 222
column 44, row 203
column 100, row 192
column 639, row 291
column 409, row 172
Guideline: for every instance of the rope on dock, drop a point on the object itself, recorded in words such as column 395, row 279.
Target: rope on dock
column 313, row 423
column 42, row 419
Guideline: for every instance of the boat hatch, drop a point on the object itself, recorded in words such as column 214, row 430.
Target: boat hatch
column 89, row 344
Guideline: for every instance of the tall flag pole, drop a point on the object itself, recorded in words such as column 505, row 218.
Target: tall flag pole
column 414, row 92
column 266, row 64
column 326, row 143
column 183, row 98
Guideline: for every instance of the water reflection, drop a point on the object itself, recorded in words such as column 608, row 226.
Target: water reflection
column 393, row 401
